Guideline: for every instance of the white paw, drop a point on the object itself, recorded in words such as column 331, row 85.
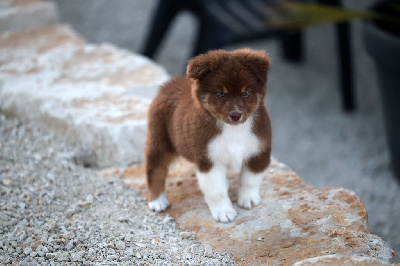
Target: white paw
column 248, row 198
column 223, row 213
column 159, row 204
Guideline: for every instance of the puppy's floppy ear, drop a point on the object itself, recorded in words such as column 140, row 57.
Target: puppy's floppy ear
column 199, row 66
column 257, row 62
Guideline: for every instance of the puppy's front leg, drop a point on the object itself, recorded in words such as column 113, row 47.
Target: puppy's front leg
column 249, row 194
column 214, row 186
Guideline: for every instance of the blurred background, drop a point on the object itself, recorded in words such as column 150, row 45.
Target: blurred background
column 312, row 134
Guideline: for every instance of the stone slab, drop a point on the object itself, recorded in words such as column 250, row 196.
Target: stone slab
column 95, row 94
column 294, row 222
column 340, row 260
column 17, row 15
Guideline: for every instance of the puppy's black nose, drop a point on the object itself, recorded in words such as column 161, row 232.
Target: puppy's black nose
column 235, row 116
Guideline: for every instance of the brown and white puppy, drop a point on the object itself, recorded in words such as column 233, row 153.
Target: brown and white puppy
column 216, row 118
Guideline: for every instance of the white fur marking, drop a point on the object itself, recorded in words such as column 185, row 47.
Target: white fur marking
column 249, row 195
column 234, row 145
column 214, row 186
column 159, row 204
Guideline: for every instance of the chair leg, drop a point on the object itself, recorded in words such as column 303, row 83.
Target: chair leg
column 346, row 67
column 292, row 46
column 206, row 38
column 164, row 13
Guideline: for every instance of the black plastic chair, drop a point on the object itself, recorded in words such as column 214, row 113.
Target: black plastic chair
column 224, row 22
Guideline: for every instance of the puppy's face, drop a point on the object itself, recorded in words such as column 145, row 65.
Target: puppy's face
column 230, row 85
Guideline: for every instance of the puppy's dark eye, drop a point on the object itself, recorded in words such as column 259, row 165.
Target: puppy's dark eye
column 221, row 94
column 246, row 94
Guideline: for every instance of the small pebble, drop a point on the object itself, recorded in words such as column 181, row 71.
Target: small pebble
column 185, row 235
column 27, row 250
column 7, row 182
column 91, row 251
column 167, row 219
column 128, row 237
column 207, row 250
column 120, row 245
column 50, row 255
column 33, row 254
column 76, row 257
column 89, row 198
column 123, row 219
column 145, row 255
column 141, row 245
column 61, row 256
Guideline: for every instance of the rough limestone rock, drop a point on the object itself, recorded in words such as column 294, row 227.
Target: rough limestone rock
column 95, row 94
column 18, row 15
column 294, row 222
column 339, row 260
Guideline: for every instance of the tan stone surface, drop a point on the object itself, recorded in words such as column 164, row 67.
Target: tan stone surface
column 20, row 51
column 294, row 222
column 340, row 260
column 94, row 94
column 16, row 15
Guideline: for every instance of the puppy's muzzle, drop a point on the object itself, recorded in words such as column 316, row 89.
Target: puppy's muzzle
column 235, row 116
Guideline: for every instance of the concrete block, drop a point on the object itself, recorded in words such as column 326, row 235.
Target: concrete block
column 17, row 15
column 94, row 94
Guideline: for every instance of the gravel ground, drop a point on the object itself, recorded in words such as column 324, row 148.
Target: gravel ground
column 54, row 211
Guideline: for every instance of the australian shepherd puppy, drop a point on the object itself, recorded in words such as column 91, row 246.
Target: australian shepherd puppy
column 214, row 117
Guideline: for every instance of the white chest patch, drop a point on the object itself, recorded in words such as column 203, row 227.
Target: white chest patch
column 234, row 145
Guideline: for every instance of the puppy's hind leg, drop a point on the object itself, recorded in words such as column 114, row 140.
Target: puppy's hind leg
column 157, row 170
column 158, row 158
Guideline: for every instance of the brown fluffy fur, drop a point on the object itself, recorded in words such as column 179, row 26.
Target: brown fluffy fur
column 183, row 117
